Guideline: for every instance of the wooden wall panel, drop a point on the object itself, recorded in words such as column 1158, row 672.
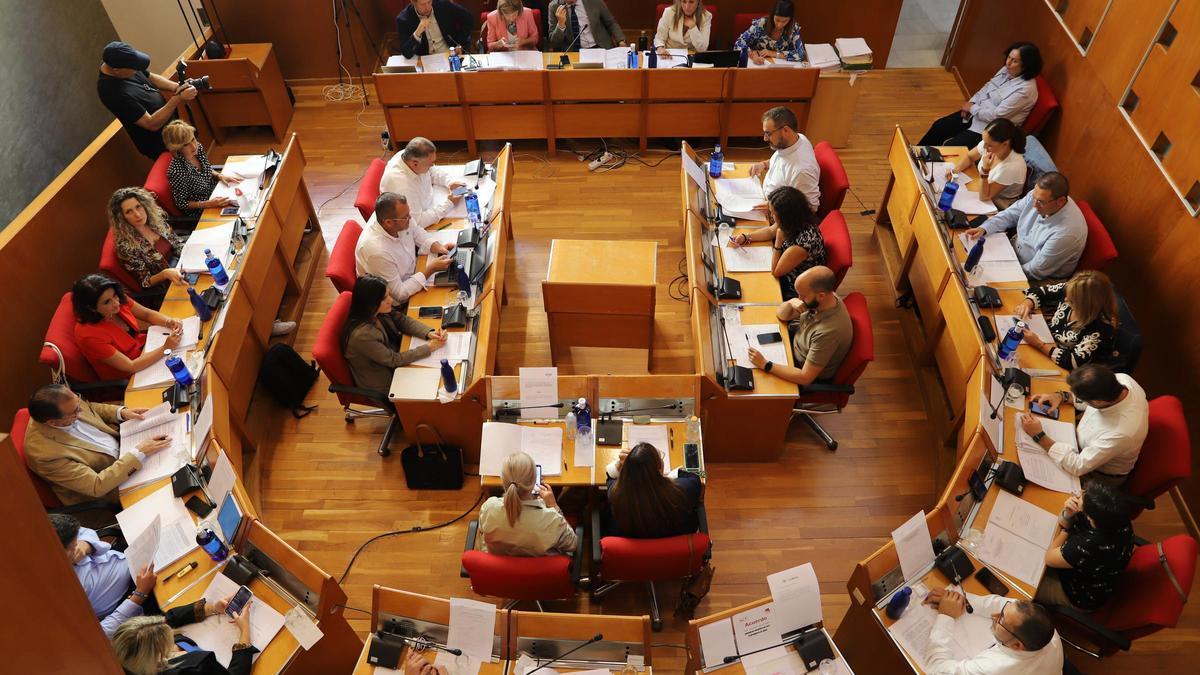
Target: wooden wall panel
column 1108, row 166
column 1118, row 49
column 1082, row 17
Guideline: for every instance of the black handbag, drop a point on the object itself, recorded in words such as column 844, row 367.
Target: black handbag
column 432, row 467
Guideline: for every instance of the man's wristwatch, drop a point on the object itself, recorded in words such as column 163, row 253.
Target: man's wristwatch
column 1037, row 438
column 768, row 366
column 140, row 595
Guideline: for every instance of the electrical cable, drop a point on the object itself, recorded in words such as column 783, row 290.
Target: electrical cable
column 351, row 608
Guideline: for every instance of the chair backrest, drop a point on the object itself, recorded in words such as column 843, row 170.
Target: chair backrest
column 368, row 189
column 1166, row 456
column 1038, row 161
column 1043, row 109
column 327, row 351
column 839, row 252
column 111, row 265
column 862, row 349
column 833, row 180
column 625, row 559
column 1099, row 251
column 1127, row 344
column 61, row 333
column 17, row 434
column 519, row 578
column 1146, row 601
column 158, row 185
column 742, row 21
column 341, row 269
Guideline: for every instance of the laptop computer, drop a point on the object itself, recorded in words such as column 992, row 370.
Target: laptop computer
column 719, row 58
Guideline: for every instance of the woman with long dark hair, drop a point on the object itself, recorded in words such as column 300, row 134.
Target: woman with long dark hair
column 797, row 241
column 1000, row 159
column 372, row 335
column 643, row 503
column 776, row 36
column 110, row 328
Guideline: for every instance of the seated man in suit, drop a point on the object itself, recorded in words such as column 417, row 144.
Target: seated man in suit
column 433, row 27
column 1026, row 642
column 1051, row 231
column 794, row 164
column 821, row 328
column 388, row 249
column 74, row 445
column 588, row 20
column 104, row 574
column 412, row 172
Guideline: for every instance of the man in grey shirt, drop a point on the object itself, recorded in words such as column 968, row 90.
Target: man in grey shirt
column 1051, row 231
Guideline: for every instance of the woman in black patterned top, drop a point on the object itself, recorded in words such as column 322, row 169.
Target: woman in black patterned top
column 190, row 175
column 1087, row 558
column 1082, row 315
column 797, row 241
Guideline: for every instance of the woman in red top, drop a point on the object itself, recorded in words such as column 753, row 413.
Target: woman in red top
column 109, row 328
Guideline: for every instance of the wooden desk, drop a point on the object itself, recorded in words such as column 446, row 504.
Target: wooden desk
column 695, row 663
column 592, row 284
column 622, row 635
column 247, row 90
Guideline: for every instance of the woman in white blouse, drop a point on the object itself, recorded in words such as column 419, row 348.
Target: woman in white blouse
column 526, row 521
column 1011, row 93
column 1000, row 159
column 684, row 25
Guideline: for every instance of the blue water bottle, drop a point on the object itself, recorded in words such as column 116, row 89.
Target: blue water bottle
column 1012, row 340
column 473, row 214
column 947, row 198
column 448, row 377
column 583, row 414
column 631, row 61
column 715, row 160
column 212, row 544
column 652, row 59
column 898, row 603
column 179, row 369
column 744, row 57
column 215, row 268
column 455, row 60
column 202, row 309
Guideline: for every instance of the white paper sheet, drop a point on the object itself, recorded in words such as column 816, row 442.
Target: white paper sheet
column 1058, row 431
column 694, row 171
column 539, row 387
column 822, row 56
column 177, row 537
column 775, row 63
column 968, row 201
column 218, row 634
column 500, row 440
column 141, row 549
column 716, row 642
column 735, row 335
column 746, row 258
column 1036, row 323
column 849, row 48
column 673, row 58
column 251, row 167
column 156, row 336
column 457, row 665
column 223, row 478
column 1039, row 469
column 518, row 60
column 657, row 435
column 796, row 596
column 472, row 625
column 592, row 55
column 755, row 628
column 585, row 450
column 435, row 63
column 1030, row 522
column 776, row 352
column 777, row 661
column 486, row 193
column 302, row 627
column 912, row 631
column 156, row 374
column 1012, row 555
column 913, row 546
column 157, row 421
column 204, row 422
column 191, row 258
column 993, row 426
column 996, row 247
column 998, row 272
column 456, row 349
column 739, row 194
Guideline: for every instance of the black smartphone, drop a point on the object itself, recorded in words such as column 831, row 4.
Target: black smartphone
column 537, row 476
column 769, row 338
column 990, row 582
column 198, row 506
column 229, row 211
column 192, row 278
column 430, row 312
column 239, row 601
column 691, row 456
column 1044, row 409
column 460, row 191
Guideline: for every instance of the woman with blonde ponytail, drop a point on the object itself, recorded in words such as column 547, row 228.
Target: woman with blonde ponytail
column 526, row 520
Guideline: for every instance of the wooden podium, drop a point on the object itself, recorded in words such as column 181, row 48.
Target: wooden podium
column 247, row 90
column 600, row 294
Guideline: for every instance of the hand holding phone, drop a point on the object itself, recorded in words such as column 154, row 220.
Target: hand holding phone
column 537, row 475
column 238, row 601
column 1044, row 409
column 460, row 191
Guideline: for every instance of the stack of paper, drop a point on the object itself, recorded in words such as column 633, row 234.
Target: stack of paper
column 246, row 169
column 822, row 56
column 159, row 421
column 616, row 58
column 456, row 349
column 1016, row 538
column 217, row 239
column 971, row 635
column 500, row 440
column 156, row 336
column 218, row 634
column 854, row 53
column 739, row 195
column 435, row 63
column 519, row 60
column 155, row 375
column 177, row 535
column 744, row 258
column 400, row 63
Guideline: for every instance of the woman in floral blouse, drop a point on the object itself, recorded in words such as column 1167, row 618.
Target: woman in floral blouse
column 775, row 36
column 795, row 233
column 145, row 243
column 1082, row 315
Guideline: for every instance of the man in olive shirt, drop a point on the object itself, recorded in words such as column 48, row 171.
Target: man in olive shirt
column 821, row 327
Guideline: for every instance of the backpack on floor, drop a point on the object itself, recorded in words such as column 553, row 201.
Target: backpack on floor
column 287, row 378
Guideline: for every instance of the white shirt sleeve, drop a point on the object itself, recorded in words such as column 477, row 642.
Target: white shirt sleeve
column 401, row 289
column 392, row 181
column 442, row 176
column 1090, row 457
column 664, row 28
column 697, row 39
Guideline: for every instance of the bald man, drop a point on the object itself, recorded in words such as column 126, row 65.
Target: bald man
column 821, row 327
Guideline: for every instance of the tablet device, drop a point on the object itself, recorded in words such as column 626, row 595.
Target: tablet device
column 229, row 518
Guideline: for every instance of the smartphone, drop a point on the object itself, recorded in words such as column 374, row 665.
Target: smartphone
column 460, row 191
column 229, row 211
column 769, row 338
column 198, row 506
column 691, row 456
column 990, row 582
column 192, row 278
column 1044, row 409
column 430, row 312
column 239, row 601
column 537, row 476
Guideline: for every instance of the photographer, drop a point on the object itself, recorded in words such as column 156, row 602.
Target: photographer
column 132, row 94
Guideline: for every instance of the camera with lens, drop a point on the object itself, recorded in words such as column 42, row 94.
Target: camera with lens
column 200, row 83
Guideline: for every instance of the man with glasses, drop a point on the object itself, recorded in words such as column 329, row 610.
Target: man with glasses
column 388, row 249
column 1026, row 642
column 794, row 163
column 411, row 172
column 1051, row 231
column 75, row 445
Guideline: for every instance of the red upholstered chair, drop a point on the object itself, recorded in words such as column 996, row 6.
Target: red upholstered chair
column 837, row 391
column 517, row 578
column 1166, row 457
column 50, row 501
column 1099, row 251
column 839, row 253
column 833, row 181
column 62, row 356
column 1043, row 109
column 160, row 187
column 328, row 353
column 742, row 21
column 111, row 265
column 1150, row 596
column 617, row 560
column 368, row 189
column 341, row 269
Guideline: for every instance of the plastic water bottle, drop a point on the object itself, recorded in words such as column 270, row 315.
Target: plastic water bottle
column 898, row 603
column 473, row 214
column 583, row 414
column 569, row 422
column 1012, row 340
column 652, row 58
column 947, row 198
column 179, row 369
column 693, row 429
column 211, row 543
column 455, row 60
column 715, row 160
column 744, row 57
column 243, row 201
column 631, row 61
column 448, row 382
column 202, row 309
column 215, row 268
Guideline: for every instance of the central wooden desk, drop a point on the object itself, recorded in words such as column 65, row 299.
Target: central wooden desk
column 600, row 294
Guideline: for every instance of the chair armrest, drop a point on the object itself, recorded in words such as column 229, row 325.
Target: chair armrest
column 596, row 536
column 1104, row 632
column 375, row 395
column 577, row 556
column 826, row 388
column 469, row 545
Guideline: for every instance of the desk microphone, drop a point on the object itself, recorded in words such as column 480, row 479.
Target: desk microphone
column 422, row 644
column 582, row 26
column 734, row 657
column 505, row 409
column 472, row 62
column 406, row 630
column 595, row 638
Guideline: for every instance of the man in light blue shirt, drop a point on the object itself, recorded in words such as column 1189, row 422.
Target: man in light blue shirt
column 1051, row 231
column 104, row 574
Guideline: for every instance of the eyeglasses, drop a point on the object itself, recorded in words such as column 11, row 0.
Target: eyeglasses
column 998, row 620
column 768, row 134
column 1045, row 202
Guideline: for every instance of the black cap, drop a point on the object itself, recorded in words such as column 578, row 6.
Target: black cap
column 122, row 55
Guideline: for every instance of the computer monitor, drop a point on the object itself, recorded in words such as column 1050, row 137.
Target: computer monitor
column 229, row 518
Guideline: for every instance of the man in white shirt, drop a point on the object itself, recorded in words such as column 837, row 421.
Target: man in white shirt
column 1026, row 642
column 793, row 163
column 411, row 172
column 1111, row 429
column 114, row 594
column 388, row 249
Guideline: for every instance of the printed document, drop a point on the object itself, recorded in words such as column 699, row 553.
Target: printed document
column 739, row 194
column 716, row 642
column 156, row 336
column 158, row 421
column 913, row 546
column 796, row 596
column 996, row 247
column 456, row 349
column 191, row 258
column 539, row 387
column 472, row 625
column 543, row 443
column 1016, row 537
column 1041, row 470
column 657, row 435
column 755, row 628
column 1036, row 323
column 218, row 634
column 745, row 258
column 178, row 531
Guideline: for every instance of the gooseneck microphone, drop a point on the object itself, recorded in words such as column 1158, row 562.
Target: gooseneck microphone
column 734, row 657
column 594, row 639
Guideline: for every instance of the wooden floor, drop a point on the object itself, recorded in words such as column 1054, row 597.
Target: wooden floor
column 326, row 491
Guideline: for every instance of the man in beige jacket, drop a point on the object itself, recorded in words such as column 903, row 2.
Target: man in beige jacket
column 75, row 445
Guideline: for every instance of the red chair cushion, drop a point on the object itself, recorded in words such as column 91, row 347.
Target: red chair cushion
column 111, row 265
column 1099, row 250
column 368, row 189
column 862, row 352
column 1045, row 106
column 341, row 269
column 157, row 183
column 19, row 426
column 1166, row 456
column 833, row 181
column 1146, row 601
column 327, row 350
column 741, row 22
column 625, row 559
column 658, row 11
column 62, row 333
column 519, row 578
column 839, row 252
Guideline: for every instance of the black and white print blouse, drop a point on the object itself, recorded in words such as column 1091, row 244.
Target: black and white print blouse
column 190, row 183
column 1095, row 342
